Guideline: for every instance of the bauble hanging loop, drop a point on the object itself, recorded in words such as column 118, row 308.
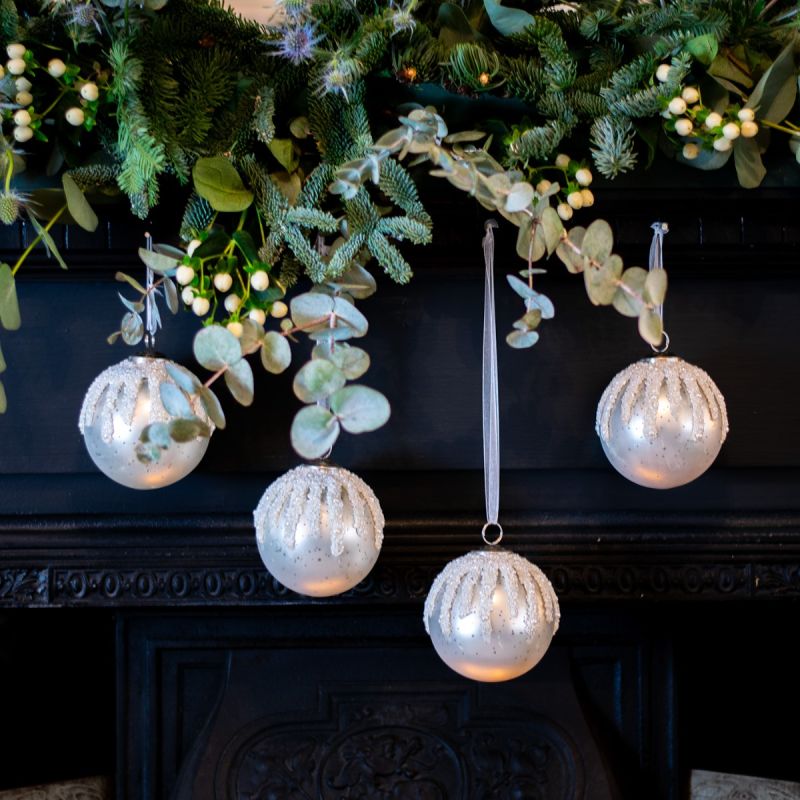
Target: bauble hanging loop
column 122, row 401
column 319, row 530
column 491, row 615
column 662, row 422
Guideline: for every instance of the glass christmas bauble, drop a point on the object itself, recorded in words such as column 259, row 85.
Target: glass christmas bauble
column 119, row 404
column 491, row 615
column 662, row 422
column 319, row 530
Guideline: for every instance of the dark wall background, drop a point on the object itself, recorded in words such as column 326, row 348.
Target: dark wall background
column 727, row 546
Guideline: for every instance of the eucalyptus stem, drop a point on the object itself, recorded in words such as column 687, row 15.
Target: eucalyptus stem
column 38, row 239
column 9, row 169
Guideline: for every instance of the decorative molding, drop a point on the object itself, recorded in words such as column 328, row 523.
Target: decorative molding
column 130, row 562
column 87, row 789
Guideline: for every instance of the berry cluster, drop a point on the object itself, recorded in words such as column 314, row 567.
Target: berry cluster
column 27, row 120
column 686, row 116
column 576, row 194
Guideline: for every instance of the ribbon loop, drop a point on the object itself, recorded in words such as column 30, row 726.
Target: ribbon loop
column 491, row 410
column 656, row 261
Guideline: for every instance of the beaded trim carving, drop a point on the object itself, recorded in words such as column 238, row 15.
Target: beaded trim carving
column 466, row 586
column 645, row 379
column 116, row 390
column 303, row 494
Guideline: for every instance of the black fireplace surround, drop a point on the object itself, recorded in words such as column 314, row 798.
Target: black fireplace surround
column 140, row 636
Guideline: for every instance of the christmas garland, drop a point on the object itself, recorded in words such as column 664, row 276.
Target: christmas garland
column 278, row 136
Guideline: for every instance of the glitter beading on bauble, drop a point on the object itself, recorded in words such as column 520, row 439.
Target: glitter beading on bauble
column 119, row 404
column 491, row 615
column 662, row 422
column 319, row 530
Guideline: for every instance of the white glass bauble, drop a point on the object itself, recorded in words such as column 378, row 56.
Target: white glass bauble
column 121, row 402
column 319, row 530
column 662, row 422
column 491, row 615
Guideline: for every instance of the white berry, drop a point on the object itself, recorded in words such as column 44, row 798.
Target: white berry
column 232, row 303
column 588, row 197
column 543, row 186
column 184, row 274
column 731, row 131
column 575, row 200
column 223, row 281
column 56, row 67
column 200, row 306
column 23, row 133
column 90, row 92
column 584, row 176
column 690, row 94
column 562, row 160
column 259, row 280
column 690, row 151
column 23, row 98
column 746, row 115
column 677, row 106
column 192, row 246
column 75, row 116
column 16, row 66
column 749, row 129
column 23, row 85
column 16, row 50
column 22, row 118
column 713, row 120
column 564, row 211
column 257, row 315
column 187, row 295
column 683, row 127
column 722, row 145
column 662, row 73
column 279, row 309
column 236, row 328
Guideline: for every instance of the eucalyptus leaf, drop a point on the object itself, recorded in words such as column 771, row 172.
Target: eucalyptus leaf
column 147, row 452
column 174, row 400
column 113, row 337
column 123, row 278
column 48, row 241
column 316, row 380
column 188, row 429
column 536, row 251
column 356, row 281
column 276, row 355
column 552, row 227
column 9, row 305
column 171, row 295
column 454, row 27
column 3, row 365
column 507, row 20
column 353, row 361
column 212, row 406
column 775, row 93
column 169, row 250
column 598, row 241
column 216, row 347
column 570, row 252
column 351, row 316
column 217, row 181
column 3, row 399
column 628, row 302
column 252, row 335
column 520, row 196
column 655, row 286
column 183, row 378
column 156, row 433
column 311, row 307
column 159, row 263
column 136, row 307
column 314, row 431
column 542, row 303
column 240, row 382
column 750, row 169
column 132, row 328
column 522, row 339
column 78, row 205
column 601, row 282
column 360, row 409
column 650, row 327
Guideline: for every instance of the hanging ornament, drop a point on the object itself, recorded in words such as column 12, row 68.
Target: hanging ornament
column 319, row 530
column 126, row 398
column 491, row 614
column 661, row 421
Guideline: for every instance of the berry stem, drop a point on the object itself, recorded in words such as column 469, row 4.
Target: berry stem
column 38, row 239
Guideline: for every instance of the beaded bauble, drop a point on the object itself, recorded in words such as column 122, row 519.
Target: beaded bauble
column 491, row 615
column 119, row 404
column 319, row 530
column 662, row 422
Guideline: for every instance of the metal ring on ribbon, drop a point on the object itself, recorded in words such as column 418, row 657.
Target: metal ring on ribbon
column 498, row 538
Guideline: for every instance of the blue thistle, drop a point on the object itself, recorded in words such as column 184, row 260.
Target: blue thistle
column 297, row 42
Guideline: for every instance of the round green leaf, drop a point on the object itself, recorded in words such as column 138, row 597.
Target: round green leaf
column 628, row 302
column 598, row 241
column 212, row 406
column 655, row 286
column 216, row 347
column 158, row 262
column 520, row 196
column 187, row 430
column 572, row 260
column 9, row 306
column 216, row 180
column 314, row 431
column 522, row 339
column 601, row 282
column 239, row 380
column 650, row 327
column 317, row 380
column 132, row 328
column 276, row 355
column 351, row 316
column 310, row 307
column 359, row 408
column 174, row 400
column 185, row 379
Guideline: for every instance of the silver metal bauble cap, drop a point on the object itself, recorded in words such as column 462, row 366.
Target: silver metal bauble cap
column 120, row 403
column 319, row 530
column 662, row 422
column 491, row 614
